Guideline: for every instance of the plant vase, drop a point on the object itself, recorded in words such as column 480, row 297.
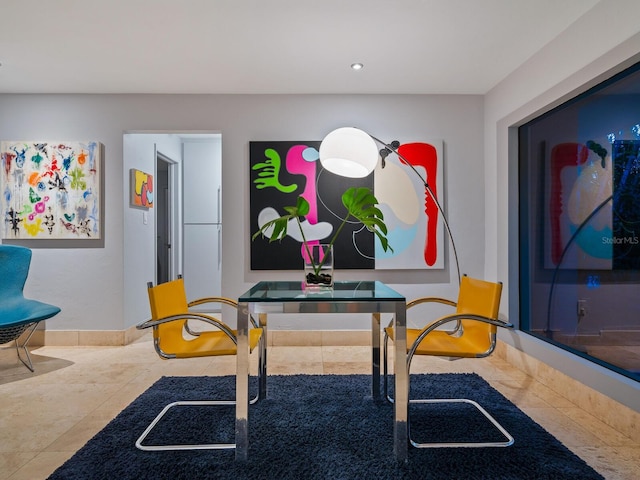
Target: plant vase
column 318, row 266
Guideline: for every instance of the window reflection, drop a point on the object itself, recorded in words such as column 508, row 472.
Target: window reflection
column 579, row 184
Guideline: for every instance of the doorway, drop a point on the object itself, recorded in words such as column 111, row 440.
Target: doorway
column 165, row 206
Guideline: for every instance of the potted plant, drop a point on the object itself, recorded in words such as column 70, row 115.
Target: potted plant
column 360, row 204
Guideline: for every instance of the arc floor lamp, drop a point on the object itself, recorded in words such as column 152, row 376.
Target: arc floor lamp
column 351, row 152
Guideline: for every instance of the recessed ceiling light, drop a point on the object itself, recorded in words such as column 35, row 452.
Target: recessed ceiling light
column 356, row 66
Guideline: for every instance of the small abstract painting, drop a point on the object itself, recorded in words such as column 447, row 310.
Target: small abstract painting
column 50, row 190
column 280, row 171
column 141, row 189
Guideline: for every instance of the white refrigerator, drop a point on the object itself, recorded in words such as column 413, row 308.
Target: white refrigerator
column 202, row 217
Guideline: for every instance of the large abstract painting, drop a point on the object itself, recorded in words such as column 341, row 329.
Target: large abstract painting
column 50, row 190
column 281, row 171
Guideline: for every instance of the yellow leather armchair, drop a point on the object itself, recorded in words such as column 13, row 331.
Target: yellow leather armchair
column 174, row 337
column 471, row 333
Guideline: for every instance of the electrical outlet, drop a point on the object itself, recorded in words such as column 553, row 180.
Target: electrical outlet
column 582, row 309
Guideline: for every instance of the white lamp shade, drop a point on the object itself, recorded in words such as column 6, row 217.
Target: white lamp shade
column 349, row 152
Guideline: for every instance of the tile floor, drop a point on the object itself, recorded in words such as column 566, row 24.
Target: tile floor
column 47, row 415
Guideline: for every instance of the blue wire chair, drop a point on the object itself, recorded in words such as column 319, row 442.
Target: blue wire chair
column 18, row 314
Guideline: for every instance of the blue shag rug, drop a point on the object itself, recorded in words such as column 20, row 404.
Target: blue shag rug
column 323, row 427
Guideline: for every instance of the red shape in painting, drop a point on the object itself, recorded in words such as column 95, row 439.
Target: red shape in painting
column 425, row 156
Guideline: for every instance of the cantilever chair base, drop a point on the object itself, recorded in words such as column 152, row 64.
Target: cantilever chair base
column 509, row 439
column 170, row 312
column 474, row 336
column 207, row 446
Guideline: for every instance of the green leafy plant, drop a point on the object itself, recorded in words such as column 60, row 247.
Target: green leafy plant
column 360, row 204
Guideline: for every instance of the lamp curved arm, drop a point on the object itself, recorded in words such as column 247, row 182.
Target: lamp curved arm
column 427, row 187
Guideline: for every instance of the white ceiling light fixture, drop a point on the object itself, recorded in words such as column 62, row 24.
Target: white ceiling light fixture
column 357, row 66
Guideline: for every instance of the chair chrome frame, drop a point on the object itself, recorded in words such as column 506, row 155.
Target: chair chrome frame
column 456, row 331
column 222, row 327
column 509, row 439
column 205, row 446
column 212, row 321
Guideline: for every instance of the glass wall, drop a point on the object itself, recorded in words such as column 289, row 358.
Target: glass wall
column 579, row 207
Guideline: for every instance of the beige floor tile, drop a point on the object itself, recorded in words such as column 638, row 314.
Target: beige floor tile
column 345, row 354
column 119, row 400
column 41, row 466
column 346, row 368
column 629, row 458
column 611, row 462
column 296, row 368
column 521, row 398
column 47, row 415
column 608, row 435
column 32, row 431
column 79, row 434
column 12, row 461
column 103, row 373
column 549, row 396
column 286, row 356
column 492, row 368
column 564, row 428
column 63, row 399
column 346, row 338
column 12, row 370
column 295, row 338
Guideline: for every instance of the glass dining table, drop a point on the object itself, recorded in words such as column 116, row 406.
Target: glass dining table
column 349, row 297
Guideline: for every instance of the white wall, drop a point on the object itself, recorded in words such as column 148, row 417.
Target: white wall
column 139, row 259
column 604, row 40
column 103, row 288
column 86, row 282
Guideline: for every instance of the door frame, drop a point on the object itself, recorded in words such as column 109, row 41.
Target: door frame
column 171, row 218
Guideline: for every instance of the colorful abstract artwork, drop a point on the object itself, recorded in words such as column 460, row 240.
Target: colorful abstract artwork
column 281, row 171
column 141, row 189
column 50, row 190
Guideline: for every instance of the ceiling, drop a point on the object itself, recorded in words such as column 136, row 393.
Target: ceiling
column 272, row 46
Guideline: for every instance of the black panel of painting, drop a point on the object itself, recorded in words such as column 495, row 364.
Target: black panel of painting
column 279, row 173
column 626, row 204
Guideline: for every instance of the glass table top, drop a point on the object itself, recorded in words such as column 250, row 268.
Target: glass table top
column 295, row 291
